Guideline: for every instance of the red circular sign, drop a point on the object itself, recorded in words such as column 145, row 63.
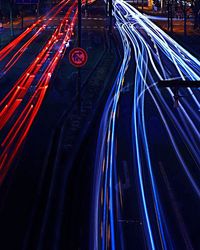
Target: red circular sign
column 78, row 57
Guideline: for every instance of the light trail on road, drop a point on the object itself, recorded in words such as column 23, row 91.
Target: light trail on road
column 21, row 87
column 105, row 161
column 45, row 22
column 155, row 56
column 22, row 106
column 12, row 45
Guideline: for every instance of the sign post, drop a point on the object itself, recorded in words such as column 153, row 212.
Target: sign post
column 79, row 45
column 78, row 58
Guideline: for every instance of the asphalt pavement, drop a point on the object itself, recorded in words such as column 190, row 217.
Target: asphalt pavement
column 113, row 168
column 144, row 139
column 31, row 178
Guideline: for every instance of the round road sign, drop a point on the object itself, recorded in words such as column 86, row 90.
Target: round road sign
column 78, row 57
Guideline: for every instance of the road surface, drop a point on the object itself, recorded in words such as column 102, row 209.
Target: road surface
column 147, row 160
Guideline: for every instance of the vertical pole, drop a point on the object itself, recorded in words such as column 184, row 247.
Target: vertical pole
column 142, row 6
column 162, row 5
column 1, row 21
column 0, row 40
column 79, row 23
column 86, row 8
column 185, row 19
column 171, row 15
column 11, row 18
column 79, row 45
column 168, row 10
column 38, row 9
column 22, row 24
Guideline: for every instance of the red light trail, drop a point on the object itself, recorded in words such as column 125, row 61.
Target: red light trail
column 6, row 51
column 19, row 104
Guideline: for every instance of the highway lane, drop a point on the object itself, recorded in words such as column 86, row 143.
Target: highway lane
column 164, row 161
column 115, row 190
column 18, row 54
column 34, row 80
column 36, row 25
column 25, row 171
column 21, row 104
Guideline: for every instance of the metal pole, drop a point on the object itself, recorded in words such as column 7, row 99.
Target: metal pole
column 142, row 6
column 11, row 20
column 79, row 23
column 79, row 45
column 86, row 8
column 185, row 19
column 22, row 23
column 22, row 19
column 168, row 8
column 171, row 15
column 0, row 39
